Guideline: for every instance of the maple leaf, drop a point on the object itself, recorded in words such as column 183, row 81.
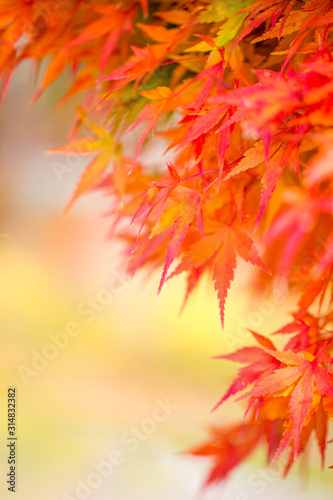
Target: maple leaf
column 321, row 430
column 55, row 68
column 142, row 64
column 300, row 375
column 259, row 359
column 219, row 250
column 157, row 195
column 293, row 224
column 174, row 220
column 229, row 13
column 97, row 167
column 258, row 13
column 205, row 122
column 112, row 22
column 163, row 100
column 210, row 75
column 259, row 362
column 285, row 25
column 229, row 446
column 248, row 87
column 304, row 330
column 281, row 15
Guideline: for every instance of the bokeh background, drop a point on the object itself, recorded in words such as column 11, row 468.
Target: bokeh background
column 75, row 409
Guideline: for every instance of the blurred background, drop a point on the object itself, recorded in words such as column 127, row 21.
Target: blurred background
column 110, row 380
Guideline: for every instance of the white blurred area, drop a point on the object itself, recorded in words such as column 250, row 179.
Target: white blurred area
column 137, row 349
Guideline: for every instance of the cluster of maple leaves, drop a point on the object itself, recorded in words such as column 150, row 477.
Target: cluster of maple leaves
column 243, row 94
